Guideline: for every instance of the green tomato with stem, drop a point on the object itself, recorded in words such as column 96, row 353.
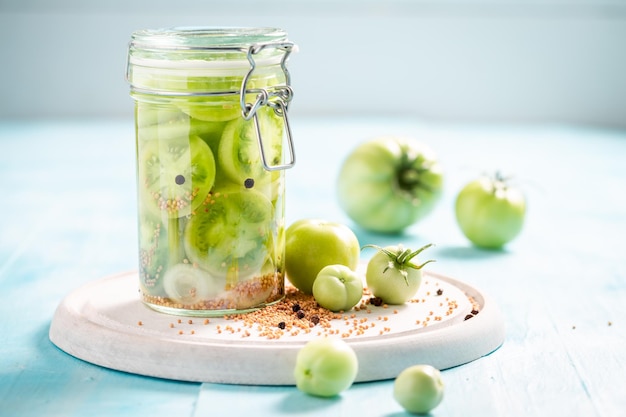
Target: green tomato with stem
column 337, row 288
column 389, row 183
column 390, row 274
column 419, row 389
column 490, row 211
column 325, row 367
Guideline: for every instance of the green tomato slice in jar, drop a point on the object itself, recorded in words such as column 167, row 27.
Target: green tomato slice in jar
column 161, row 122
column 230, row 234
column 188, row 285
column 175, row 175
column 224, row 104
column 239, row 156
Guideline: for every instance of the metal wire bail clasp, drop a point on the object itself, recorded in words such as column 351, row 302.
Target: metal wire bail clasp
column 276, row 97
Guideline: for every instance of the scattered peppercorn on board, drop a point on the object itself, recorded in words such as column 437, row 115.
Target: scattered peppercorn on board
column 447, row 324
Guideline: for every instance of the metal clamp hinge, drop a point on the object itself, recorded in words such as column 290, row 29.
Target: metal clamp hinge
column 276, row 97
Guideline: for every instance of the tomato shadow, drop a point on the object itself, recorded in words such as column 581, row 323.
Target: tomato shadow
column 369, row 238
column 388, row 239
column 411, row 240
column 298, row 402
column 468, row 252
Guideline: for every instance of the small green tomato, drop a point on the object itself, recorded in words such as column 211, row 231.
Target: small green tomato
column 337, row 287
column 311, row 244
column 325, row 367
column 390, row 274
column 490, row 211
column 419, row 389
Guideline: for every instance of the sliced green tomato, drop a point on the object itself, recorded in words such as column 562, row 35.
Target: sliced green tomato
column 211, row 109
column 153, row 254
column 230, row 234
column 175, row 175
column 166, row 122
column 216, row 108
column 220, row 108
column 186, row 284
column 153, row 115
column 239, row 156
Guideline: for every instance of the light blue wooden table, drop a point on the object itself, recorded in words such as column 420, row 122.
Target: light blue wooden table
column 67, row 217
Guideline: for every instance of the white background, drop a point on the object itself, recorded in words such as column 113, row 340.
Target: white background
column 498, row 61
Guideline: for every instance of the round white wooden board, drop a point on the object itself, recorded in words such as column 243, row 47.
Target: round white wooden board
column 106, row 324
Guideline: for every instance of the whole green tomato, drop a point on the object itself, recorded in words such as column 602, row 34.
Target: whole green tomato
column 419, row 389
column 389, row 183
column 325, row 367
column 391, row 276
column 337, row 288
column 490, row 212
column 312, row 244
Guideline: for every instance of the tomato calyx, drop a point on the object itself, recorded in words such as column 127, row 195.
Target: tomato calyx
column 400, row 259
column 498, row 183
column 410, row 171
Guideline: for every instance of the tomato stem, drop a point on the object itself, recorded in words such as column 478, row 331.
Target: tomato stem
column 401, row 259
column 410, row 171
column 498, row 182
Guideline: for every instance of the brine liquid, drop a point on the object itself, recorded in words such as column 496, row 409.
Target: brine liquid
column 211, row 218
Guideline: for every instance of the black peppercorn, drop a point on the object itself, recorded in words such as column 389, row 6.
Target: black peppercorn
column 376, row 301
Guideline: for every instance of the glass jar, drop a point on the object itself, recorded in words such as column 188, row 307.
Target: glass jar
column 212, row 144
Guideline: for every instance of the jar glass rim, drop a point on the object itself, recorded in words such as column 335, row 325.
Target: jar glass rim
column 192, row 37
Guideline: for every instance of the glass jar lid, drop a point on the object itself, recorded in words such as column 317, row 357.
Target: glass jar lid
column 205, row 37
column 206, row 47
